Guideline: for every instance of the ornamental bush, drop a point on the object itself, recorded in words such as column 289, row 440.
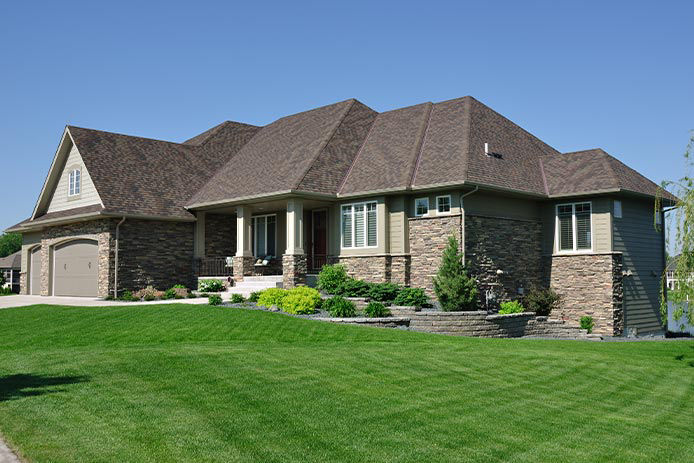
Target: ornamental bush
column 254, row 296
column 331, row 277
column 210, row 286
column 353, row 288
column 411, row 296
column 272, row 296
column 510, row 307
column 127, row 296
column 587, row 323
column 541, row 300
column 150, row 293
column 454, row 288
column 214, row 299
column 383, row 292
column 237, row 299
column 340, row 307
column 376, row 309
column 301, row 300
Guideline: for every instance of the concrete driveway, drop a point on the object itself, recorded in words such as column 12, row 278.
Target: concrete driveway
column 17, row 300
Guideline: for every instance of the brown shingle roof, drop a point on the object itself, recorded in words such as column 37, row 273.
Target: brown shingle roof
column 13, row 261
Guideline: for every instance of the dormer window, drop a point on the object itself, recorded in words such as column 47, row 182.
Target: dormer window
column 74, row 183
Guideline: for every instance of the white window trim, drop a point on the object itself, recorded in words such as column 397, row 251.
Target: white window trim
column 366, row 226
column 450, row 205
column 573, row 226
column 71, row 178
column 426, row 198
column 255, row 241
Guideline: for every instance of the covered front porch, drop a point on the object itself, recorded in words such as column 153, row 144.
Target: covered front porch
column 287, row 237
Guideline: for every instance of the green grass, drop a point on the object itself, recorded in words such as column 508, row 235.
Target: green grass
column 199, row 383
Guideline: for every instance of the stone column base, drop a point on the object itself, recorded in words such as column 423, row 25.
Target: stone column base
column 243, row 267
column 294, row 270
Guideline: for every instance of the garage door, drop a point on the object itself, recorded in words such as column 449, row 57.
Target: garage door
column 35, row 271
column 76, row 269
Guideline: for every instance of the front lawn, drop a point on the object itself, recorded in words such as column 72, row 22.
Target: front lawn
column 200, row 383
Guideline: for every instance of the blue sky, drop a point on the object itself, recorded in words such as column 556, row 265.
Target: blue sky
column 615, row 75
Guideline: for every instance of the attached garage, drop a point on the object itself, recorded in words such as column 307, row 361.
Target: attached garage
column 76, row 268
column 35, row 271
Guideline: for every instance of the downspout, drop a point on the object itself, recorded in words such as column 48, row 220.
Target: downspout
column 115, row 268
column 462, row 219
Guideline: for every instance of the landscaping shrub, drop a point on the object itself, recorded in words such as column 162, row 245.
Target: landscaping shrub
column 541, row 300
column 169, row 294
column 411, row 296
column 214, row 299
column 509, row 307
column 340, row 307
column 2, row 281
column 376, row 309
column 191, row 295
column 148, row 294
column 301, row 300
column 237, row 299
column 127, row 296
column 4, row 291
column 587, row 323
column 454, row 288
column 331, row 277
column 353, row 288
column 253, row 297
column 211, row 286
column 383, row 292
column 272, row 296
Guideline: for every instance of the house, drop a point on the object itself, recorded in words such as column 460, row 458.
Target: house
column 378, row 192
column 671, row 280
column 10, row 268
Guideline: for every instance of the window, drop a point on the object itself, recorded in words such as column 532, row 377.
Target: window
column 359, row 225
column 617, row 209
column 74, row 183
column 443, row 204
column 659, row 218
column 264, row 233
column 574, row 227
column 421, row 207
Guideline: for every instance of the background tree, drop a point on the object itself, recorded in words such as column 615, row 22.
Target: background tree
column 454, row 288
column 10, row 243
column 683, row 238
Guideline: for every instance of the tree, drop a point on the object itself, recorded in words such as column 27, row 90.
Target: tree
column 454, row 288
column 684, row 238
column 10, row 243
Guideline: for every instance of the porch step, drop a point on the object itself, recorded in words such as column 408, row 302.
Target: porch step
column 277, row 278
column 259, row 284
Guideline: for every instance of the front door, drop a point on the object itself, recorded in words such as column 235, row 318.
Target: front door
column 319, row 239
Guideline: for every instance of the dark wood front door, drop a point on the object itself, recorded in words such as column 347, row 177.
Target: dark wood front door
column 319, row 239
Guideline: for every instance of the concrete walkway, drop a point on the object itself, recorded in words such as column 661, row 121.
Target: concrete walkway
column 6, row 455
column 18, row 300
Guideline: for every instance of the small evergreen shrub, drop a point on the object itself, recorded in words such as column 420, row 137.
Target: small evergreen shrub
column 253, row 297
column 331, row 277
column 340, row 307
column 454, row 288
column 541, row 300
column 353, row 288
column 191, row 295
column 272, row 296
column 127, row 296
column 510, row 307
column 411, row 296
column 211, row 286
column 376, row 309
column 214, row 299
column 301, row 300
column 383, row 292
column 237, row 299
column 587, row 323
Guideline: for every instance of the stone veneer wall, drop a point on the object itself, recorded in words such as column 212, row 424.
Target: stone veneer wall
column 376, row 269
column 428, row 238
column 293, row 270
column 510, row 245
column 220, row 235
column 243, row 266
column 589, row 284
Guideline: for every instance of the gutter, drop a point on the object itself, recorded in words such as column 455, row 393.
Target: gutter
column 115, row 268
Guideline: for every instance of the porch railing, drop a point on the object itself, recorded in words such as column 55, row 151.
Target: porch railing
column 213, row 267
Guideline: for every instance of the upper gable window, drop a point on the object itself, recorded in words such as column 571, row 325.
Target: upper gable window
column 421, row 207
column 443, row 204
column 74, row 182
column 574, row 227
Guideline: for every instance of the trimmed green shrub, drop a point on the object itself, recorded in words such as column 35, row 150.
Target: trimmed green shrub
column 180, row 287
column 331, row 277
column 272, row 296
column 254, row 296
column 383, row 292
column 340, row 307
column 301, row 300
column 509, row 307
column 127, row 296
column 169, row 294
column 353, row 288
column 376, row 309
column 587, row 323
column 454, row 288
column 214, row 299
column 191, row 295
column 411, row 296
column 211, row 286
column 5, row 291
column 541, row 300
column 237, row 299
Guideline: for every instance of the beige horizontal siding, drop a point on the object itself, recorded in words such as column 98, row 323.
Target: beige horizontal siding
column 88, row 196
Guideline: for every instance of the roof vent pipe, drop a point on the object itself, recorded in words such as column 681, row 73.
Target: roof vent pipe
column 486, row 149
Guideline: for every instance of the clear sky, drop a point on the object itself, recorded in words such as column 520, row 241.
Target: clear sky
column 615, row 75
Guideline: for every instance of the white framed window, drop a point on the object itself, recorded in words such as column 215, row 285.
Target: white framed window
column 443, row 204
column 74, row 182
column 421, row 207
column 617, row 209
column 359, row 225
column 574, row 227
column 264, row 235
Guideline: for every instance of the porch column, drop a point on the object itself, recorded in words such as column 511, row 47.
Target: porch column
column 243, row 261
column 294, row 258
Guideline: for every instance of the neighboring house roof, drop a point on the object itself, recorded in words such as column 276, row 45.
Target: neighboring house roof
column 339, row 150
column 13, row 261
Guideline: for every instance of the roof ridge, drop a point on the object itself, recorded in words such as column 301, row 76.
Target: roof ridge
column 361, row 148
column 131, row 136
column 420, row 149
column 466, row 140
column 327, row 140
column 609, row 167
